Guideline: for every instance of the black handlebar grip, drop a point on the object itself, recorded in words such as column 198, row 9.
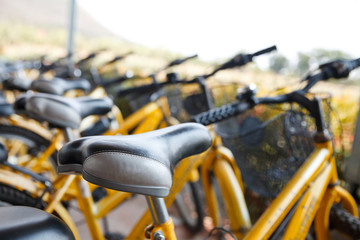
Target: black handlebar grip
column 89, row 57
column 351, row 65
column 120, row 57
column 180, row 61
column 241, row 60
column 335, row 69
column 266, row 50
column 338, row 68
column 221, row 113
column 191, row 57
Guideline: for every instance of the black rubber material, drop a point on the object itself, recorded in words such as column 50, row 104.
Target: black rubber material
column 190, row 192
column 10, row 196
column 221, row 113
column 344, row 222
column 13, row 196
column 215, row 115
column 39, row 143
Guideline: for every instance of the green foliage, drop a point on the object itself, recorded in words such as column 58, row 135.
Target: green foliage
column 323, row 55
column 278, row 63
column 316, row 57
column 15, row 33
column 303, row 64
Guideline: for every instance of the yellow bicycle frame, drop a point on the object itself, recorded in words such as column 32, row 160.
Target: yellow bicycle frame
column 311, row 193
column 69, row 187
column 308, row 195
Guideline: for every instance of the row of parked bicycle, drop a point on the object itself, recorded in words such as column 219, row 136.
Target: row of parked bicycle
column 64, row 141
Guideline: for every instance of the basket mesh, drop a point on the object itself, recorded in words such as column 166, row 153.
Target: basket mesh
column 188, row 100
column 269, row 145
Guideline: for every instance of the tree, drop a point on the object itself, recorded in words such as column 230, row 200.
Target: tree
column 278, row 63
column 303, row 64
column 322, row 55
column 316, row 57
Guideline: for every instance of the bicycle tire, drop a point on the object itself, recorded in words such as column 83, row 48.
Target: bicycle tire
column 33, row 141
column 189, row 205
column 233, row 197
column 12, row 196
column 344, row 222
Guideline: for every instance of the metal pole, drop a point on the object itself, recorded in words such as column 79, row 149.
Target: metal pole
column 70, row 46
column 157, row 209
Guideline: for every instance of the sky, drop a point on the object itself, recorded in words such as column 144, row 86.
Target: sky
column 220, row 29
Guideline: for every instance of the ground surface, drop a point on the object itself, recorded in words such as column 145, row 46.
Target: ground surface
column 124, row 217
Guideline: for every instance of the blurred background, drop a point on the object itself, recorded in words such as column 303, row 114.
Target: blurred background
column 307, row 33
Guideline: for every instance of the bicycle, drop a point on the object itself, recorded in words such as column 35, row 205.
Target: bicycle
column 42, row 143
column 186, row 172
column 319, row 167
column 314, row 189
column 20, row 222
column 308, row 196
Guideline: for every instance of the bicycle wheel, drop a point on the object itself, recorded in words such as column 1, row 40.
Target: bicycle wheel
column 188, row 203
column 13, row 196
column 343, row 221
column 232, row 197
column 24, row 145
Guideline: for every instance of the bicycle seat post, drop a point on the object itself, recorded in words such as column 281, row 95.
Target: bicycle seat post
column 157, row 209
column 68, row 134
column 161, row 220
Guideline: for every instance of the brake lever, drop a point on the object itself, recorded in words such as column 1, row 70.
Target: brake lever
column 335, row 69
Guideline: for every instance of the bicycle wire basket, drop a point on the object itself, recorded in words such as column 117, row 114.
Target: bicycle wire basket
column 134, row 101
column 270, row 143
column 188, row 100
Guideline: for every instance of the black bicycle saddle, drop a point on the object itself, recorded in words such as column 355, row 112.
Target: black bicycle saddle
column 59, row 86
column 141, row 163
column 61, row 111
column 26, row 223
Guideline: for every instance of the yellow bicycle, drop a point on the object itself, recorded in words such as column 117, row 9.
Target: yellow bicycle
column 218, row 160
column 308, row 199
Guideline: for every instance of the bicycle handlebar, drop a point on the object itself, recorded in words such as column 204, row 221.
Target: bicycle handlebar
column 241, row 60
column 221, row 113
column 180, row 61
column 238, row 60
column 335, row 69
column 151, row 87
column 115, row 59
column 264, row 51
column 87, row 58
column 247, row 99
column 130, row 75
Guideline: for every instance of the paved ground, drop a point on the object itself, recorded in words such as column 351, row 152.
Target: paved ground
column 125, row 216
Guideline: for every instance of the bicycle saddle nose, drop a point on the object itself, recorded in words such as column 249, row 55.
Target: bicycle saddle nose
column 141, row 163
column 59, row 86
column 61, row 111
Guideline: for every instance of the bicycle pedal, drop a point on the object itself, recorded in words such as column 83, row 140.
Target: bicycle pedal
column 114, row 236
